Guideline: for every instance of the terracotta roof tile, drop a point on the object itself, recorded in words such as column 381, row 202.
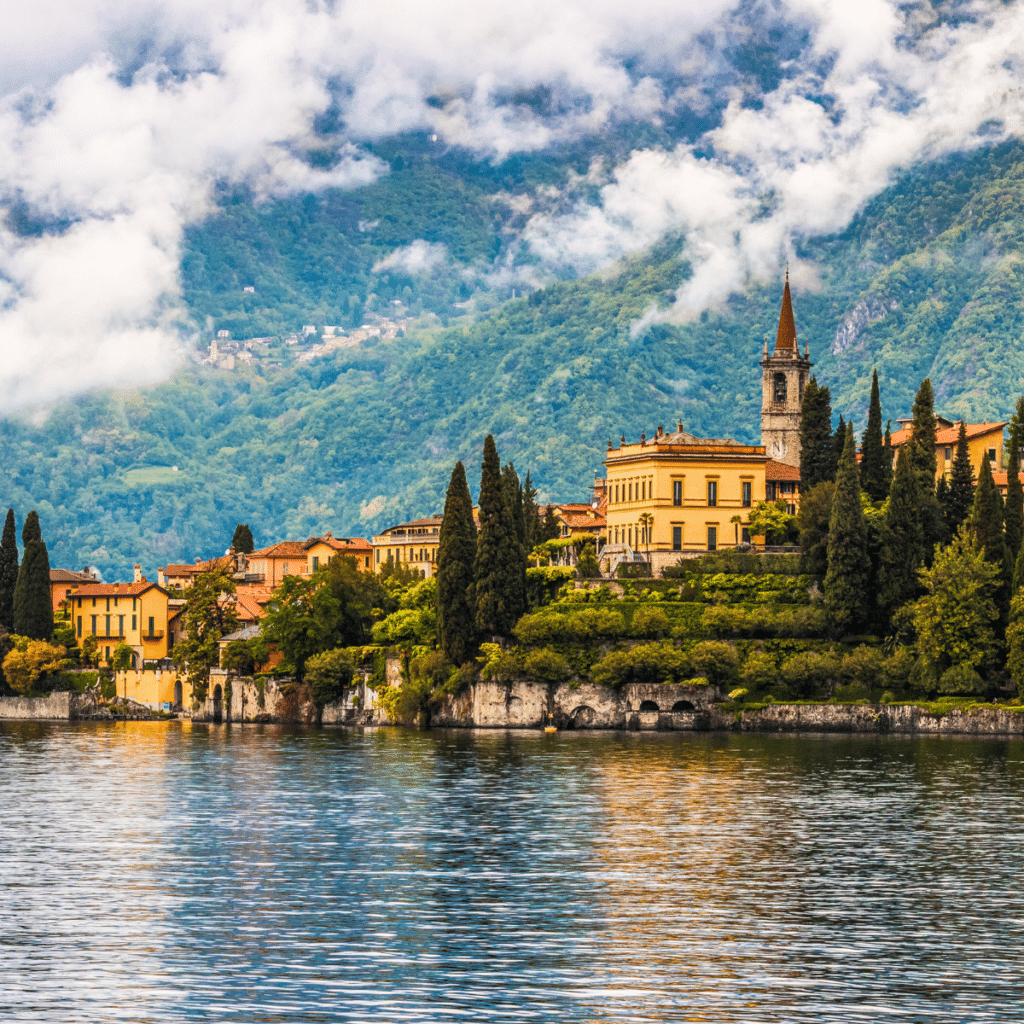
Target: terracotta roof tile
column 950, row 435
column 340, row 543
column 69, row 576
column 780, row 471
column 284, row 549
column 114, row 589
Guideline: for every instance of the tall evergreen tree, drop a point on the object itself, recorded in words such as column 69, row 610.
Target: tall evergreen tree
column 987, row 528
column 887, row 450
column 902, row 553
column 922, row 450
column 497, row 545
column 815, row 436
column 838, row 444
column 512, row 496
column 960, row 492
column 874, row 473
column 849, row 567
column 550, row 529
column 8, row 572
column 1014, row 511
column 33, row 606
column 531, row 513
column 456, row 567
column 242, row 540
column 922, row 441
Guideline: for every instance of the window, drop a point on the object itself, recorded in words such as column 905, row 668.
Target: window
column 316, row 562
column 712, row 493
column 133, row 622
column 630, row 492
column 630, row 542
column 79, row 602
column 949, row 454
column 991, row 455
column 745, row 535
column 677, row 538
column 151, row 627
column 616, row 492
column 769, row 490
column 120, row 625
column 712, row 538
column 94, row 602
column 643, row 491
column 677, row 492
column 779, row 387
column 107, row 618
column 79, row 623
column 377, row 555
column 108, row 604
column 93, row 625
column 108, row 653
column 133, row 603
column 368, row 559
column 746, row 494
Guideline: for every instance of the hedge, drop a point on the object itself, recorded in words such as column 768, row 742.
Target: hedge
column 762, row 621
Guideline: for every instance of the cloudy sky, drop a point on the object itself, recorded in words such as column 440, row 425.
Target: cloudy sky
column 118, row 119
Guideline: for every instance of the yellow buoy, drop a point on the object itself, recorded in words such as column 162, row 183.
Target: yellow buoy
column 551, row 727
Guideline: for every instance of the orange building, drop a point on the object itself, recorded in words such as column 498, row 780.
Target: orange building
column 320, row 550
column 63, row 581
column 984, row 441
column 135, row 613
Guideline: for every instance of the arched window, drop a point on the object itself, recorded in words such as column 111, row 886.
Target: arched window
column 779, row 388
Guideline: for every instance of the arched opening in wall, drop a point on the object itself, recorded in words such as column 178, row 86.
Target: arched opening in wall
column 135, row 660
column 177, row 695
column 648, row 705
column 683, row 705
column 779, row 388
column 218, row 698
column 581, row 718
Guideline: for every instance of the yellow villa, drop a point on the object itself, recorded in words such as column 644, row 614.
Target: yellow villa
column 697, row 491
column 414, row 544
column 984, row 441
column 135, row 613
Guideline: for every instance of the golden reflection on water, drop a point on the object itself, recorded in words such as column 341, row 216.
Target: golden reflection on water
column 169, row 872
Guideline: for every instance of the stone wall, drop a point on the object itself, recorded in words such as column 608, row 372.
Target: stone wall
column 523, row 704
column 57, row 706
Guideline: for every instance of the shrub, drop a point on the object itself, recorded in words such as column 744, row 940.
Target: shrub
column 547, row 666
column 759, row 672
column 810, row 674
column 237, row 657
column 30, row 661
column 587, row 565
column 960, row 679
column 407, row 626
column 851, row 692
column 739, row 693
column 498, row 664
column 580, row 625
column 716, row 661
column 328, row 675
column 862, row 668
column 633, row 571
column 645, row 663
column 650, row 622
column 895, row 670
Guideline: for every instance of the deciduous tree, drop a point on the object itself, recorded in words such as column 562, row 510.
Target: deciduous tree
column 29, row 662
column 207, row 619
column 955, row 620
column 456, row 568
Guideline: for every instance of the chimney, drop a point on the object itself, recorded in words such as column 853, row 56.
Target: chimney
column 161, row 579
column 661, row 430
column 680, row 426
column 138, row 574
column 329, row 535
column 198, row 560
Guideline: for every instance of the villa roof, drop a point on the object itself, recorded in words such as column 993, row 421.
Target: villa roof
column 248, row 633
column 69, row 576
column 584, row 520
column 340, row 543
column 114, row 589
column 185, row 569
column 780, row 471
column 283, row 549
column 950, row 435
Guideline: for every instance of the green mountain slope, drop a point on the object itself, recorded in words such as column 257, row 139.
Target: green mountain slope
column 927, row 280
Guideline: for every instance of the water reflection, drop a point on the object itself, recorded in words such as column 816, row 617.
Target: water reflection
column 166, row 872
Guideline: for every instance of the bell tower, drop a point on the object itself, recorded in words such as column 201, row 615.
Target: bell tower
column 782, row 388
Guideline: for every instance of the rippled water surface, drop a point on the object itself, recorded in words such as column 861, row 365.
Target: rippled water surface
column 166, row 872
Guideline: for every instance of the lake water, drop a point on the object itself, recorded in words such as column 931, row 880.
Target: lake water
column 167, row 872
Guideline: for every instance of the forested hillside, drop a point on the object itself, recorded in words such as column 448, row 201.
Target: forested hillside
column 926, row 281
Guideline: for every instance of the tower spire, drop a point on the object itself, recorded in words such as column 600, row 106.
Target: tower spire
column 785, row 339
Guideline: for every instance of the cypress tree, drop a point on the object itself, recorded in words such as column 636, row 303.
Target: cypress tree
column 887, row 449
column 1014, row 512
column 512, row 497
column 838, row 444
column 550, row 529
column 987, row 529
column 922, row 443
column 849, row 568
column 960, row 493
column 922, row 450
column 496, row 599
column 815, row 436
column 902, row 551
column 531, row 514
column 33, row 607
column 456, row 562
column 874, row 474
column 242, row 540
column 8, row 572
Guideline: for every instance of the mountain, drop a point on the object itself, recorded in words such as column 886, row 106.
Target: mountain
column 926, row 280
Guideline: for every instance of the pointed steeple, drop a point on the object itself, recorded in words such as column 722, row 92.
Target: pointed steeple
column 785, row 339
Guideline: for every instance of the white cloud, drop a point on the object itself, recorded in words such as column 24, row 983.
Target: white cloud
column 120, row 124
column 415, row 258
